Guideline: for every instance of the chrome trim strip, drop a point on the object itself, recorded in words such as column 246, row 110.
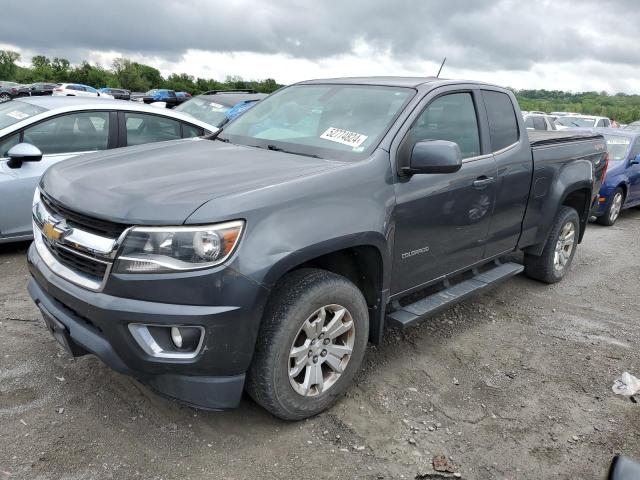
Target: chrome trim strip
column 61, row 270
column 79, row 239
column 143, row 337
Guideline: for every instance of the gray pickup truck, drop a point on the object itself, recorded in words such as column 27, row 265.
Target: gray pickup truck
column 266, row 256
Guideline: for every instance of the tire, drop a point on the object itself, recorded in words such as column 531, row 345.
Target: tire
column 296, row 302
column 4, row 97
column 614, row 207
column 546, row 267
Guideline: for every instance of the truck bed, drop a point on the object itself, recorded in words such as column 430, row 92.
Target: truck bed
column 539, row 138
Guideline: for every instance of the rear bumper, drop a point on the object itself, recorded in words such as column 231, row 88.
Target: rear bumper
column 97, row 323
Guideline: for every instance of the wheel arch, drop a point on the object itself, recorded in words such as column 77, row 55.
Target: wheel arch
column 362, row 258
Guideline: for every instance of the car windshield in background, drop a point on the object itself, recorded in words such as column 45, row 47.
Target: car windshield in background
column 328, row 121
column 14, row 111
column 204, row 110
column 576, row 122
column 617, row 147
column 633, row 126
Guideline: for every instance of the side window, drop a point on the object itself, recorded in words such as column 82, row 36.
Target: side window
column 450, row 117
column 503, row 126
column 189, row 131
column 528, row 123
column 77, row 132
column 144, row 128
column 539, row 123
column 600, row 123
column 8, row 142
column 606, row 122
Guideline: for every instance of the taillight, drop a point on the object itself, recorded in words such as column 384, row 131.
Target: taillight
column 606, row 166
column 58, row 90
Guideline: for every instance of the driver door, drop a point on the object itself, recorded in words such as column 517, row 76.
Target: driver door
column 442, row 220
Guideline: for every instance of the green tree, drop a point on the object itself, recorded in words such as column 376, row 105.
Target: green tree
column 8, row 67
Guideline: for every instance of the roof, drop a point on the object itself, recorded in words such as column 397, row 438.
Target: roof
column 68, row 104
column 232, row 98
column 622, row 132
column 382, row 81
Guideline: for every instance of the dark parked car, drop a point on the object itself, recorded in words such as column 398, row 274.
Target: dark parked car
column 117, row 93
column 220, row 106
column 621, row 187
column 7, row 93
column 36, row 89
column 267, row 256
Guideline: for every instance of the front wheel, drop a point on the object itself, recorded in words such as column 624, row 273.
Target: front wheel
column 559, row 249
column 612, row 212
column 311, row 344
column 5, row 97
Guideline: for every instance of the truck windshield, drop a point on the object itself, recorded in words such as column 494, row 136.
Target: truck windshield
column 617, row 147
column 327, row 121
column 13, row 111
column 581, row 122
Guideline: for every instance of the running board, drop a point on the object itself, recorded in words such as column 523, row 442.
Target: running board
column 415, row 312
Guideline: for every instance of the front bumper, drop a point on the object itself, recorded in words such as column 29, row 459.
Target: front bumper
column 97, row 322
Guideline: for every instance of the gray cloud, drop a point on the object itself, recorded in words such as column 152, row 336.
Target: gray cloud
column 474, row 34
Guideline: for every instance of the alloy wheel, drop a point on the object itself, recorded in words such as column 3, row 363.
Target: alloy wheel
column 564, row 246
column 321, row 350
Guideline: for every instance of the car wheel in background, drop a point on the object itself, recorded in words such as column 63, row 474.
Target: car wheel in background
column 613, row 209
column 5, row 97
column 311, row 343
column 559, row 249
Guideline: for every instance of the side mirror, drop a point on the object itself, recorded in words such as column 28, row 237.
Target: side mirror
column 434, row 156
column 635, row 161
column 623, row 469
column 23, row 152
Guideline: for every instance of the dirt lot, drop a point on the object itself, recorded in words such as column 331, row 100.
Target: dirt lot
column 512, row 384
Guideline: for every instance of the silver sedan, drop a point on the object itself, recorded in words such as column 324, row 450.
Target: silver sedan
column 36, row 132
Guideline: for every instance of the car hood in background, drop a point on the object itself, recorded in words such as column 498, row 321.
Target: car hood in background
column 163, row 183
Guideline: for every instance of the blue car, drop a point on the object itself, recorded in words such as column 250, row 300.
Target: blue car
column 621, row 187
column 218, row 107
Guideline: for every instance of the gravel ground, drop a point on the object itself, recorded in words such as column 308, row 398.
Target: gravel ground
column 515, row 383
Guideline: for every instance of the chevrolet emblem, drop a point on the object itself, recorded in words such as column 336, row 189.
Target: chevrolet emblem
column 49, row 231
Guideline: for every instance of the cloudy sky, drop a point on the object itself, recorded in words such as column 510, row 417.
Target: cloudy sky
column 572, row 45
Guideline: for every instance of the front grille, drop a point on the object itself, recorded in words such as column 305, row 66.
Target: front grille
column 76, row 262
column 83, row 222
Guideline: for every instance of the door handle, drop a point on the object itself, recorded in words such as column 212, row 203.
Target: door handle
column 482, row 182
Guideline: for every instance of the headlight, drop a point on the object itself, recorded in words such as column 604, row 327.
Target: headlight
column 174, row 249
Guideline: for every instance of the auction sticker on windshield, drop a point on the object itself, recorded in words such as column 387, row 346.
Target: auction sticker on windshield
column 344, row 137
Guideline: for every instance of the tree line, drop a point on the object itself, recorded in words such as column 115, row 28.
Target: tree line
column 138, row 77
column 123, row 73
column 622, row 107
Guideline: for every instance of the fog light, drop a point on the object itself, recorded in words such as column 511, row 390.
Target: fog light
column 176, row 337
column 179, row 342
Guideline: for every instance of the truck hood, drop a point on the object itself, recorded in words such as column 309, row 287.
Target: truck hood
column 163, row 183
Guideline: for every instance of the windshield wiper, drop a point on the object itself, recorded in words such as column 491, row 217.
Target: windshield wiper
column 216, row 136
column 278, row 149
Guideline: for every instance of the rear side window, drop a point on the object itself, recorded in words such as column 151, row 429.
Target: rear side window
column 450, row 117
column 143, row 128
column 503, row 126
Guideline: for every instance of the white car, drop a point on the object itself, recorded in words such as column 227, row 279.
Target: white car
column 535, row 121
column 52, row 129
column 582, row 121
column 77, row 90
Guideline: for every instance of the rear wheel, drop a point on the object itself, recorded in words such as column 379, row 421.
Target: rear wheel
column 613, row 209
column 311, row 343
column 4, row 97
column 559, row 249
